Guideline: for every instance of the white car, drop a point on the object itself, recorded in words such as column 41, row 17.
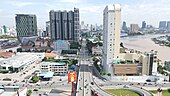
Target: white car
column 46, row 93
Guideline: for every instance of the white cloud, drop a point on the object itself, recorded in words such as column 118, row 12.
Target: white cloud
column 147, row 11
column 69, row 1
column 20, row 3
column 91, row 9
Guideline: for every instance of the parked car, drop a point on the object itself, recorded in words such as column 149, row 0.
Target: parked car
column 35, row 90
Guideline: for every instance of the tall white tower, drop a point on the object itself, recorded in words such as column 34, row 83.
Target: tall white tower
column 111, row 29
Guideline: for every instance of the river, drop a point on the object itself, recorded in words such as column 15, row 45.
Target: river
column 144, row 43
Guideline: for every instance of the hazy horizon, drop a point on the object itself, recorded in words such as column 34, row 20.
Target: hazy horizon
column 91, row 11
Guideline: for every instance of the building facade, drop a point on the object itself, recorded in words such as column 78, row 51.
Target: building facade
column 57, row 67
column 143, row 24
column 136, row 63
column 162, row 25
column 19, row 62
column 111, row 35
column 26, row 25
column 134, row 28
column 65, row 25
column 48, row 29
column 124, row 27
column 168, row 26
column 60, row 45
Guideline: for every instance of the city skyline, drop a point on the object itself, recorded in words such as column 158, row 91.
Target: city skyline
column 133, row 11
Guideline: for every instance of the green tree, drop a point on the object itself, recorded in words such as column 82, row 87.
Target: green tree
column 74, row 61
column 54, row 74
column 100, row 44
column 160, row 69
column 29, row 92
column 44, row 59
column 35, row 78
column 104, row 73
column 108, row 74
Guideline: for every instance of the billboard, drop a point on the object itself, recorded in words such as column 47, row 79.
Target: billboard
column 71, row 77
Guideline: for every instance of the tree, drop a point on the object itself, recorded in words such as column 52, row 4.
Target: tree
column 160, row 69
column 35, row 78
column 29, row 92
column 108, row 74
column 54, row 74
column 74, row 61
column 100, row 44
column 104, row 73
column 44, row 59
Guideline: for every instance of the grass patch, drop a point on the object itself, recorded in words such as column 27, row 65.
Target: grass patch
column 164, row 92
column 122, row 92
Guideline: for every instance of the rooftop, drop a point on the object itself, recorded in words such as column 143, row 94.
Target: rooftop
column 17, row 60
column 50, row 55
column 6, row 54
column 46, row 75
column 53, row 63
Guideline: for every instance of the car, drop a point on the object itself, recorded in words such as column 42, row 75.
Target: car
column 148, row 80
column 45, row 93
column 131, row 84
column 92, row 83
column 125, row 86
column 35, row 90
column 37, row 84
column 104, row 80
column 80, row 88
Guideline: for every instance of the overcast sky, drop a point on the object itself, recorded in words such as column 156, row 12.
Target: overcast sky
column 91, row 11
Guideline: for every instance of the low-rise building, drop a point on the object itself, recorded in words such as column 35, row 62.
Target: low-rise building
column 19, row 62
column 56, row 67
column 135, row 63
column 42, row 42
column 60, row 45
column 12, row 91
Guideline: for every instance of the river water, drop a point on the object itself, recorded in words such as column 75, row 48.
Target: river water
column 144, row 43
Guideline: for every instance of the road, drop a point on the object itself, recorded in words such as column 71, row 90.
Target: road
column 86, row 82
column 83, row 86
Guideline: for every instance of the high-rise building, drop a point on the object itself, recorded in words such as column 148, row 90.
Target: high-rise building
column 149, row 66
column 26, row 25
column 4, row 28
column 143, row 24
column 111, row 29
column 124, row 27
column 168, row 26
column 48, row 29
column 162, row 25
column 134, row 28
column 64, row 25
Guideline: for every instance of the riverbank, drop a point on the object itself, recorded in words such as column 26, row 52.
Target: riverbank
column 145, row 44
